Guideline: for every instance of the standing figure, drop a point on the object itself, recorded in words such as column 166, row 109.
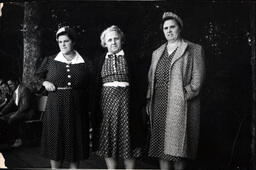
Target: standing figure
column 112, row 108
column 175, row 79
column 65, row 135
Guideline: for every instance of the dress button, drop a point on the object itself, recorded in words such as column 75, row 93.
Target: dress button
column 67, row 66
column 69, row 76
column 69, row 83
column 68, row 70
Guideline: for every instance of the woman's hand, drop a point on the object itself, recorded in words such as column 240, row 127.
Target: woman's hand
column 49, row 86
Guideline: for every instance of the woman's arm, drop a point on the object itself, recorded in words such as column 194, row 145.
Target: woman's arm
column 41, row 73
column 198, row 71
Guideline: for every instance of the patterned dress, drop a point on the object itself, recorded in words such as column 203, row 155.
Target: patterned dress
column 65, row 134
column 114, row 135
column 156, row 148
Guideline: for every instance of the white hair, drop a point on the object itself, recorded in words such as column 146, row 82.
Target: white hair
column 111, row 28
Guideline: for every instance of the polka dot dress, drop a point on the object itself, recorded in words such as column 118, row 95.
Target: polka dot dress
column 114, row 135
column 114, row 69
column 65, row 123
column 156, row 148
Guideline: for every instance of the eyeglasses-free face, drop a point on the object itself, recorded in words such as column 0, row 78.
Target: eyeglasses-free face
column 65, row 44
column 171, row 30
column 113, row 42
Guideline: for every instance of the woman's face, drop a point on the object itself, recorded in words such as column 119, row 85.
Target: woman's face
column 171, row 30
column 65, row 44
column 113, row 42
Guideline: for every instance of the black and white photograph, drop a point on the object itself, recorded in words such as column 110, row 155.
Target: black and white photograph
column 167, row 85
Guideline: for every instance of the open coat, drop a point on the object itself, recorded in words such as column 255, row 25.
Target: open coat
column 183, row 105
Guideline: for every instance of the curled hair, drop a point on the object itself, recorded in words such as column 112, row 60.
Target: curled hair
column 109, row 29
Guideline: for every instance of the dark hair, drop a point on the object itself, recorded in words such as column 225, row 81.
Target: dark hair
column 69, row 32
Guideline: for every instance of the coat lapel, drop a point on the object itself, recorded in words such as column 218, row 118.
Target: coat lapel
column 180, row 51
column 159, row 52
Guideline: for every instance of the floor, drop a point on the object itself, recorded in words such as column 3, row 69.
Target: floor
column 27, row 157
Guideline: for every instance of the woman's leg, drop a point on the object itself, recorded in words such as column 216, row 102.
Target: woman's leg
column 164, row 164
column 129, row 163
column 55, row 164
column 180, row 165
column 73, row 165
column 111, row 163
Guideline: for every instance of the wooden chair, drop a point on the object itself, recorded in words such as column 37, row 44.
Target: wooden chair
column 33, row 127
column 40, row 109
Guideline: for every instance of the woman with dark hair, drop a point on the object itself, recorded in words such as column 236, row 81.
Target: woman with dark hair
column 65, row 134
column 175, row 79
column 113, row 103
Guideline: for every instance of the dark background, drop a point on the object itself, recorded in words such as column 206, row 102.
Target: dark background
column 222, row 28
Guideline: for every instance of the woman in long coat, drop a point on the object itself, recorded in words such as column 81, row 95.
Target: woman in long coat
column 175, row 79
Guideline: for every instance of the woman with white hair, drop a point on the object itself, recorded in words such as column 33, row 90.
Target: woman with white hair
column 113, row 103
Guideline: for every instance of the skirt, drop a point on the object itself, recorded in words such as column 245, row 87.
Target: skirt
column 65, row 135
column 115, row 135
column 156, row 148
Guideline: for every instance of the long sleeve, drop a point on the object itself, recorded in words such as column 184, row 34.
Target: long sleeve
column 149, row 83
column 42, row 70
column 193, row 88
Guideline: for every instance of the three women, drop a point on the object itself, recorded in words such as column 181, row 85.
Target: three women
column 175, row 79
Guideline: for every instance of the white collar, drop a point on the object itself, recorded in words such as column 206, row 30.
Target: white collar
column 76, row 60
column 117, row 54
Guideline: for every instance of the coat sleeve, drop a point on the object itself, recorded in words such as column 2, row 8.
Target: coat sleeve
column 148, row 95
column 198, row 71
column 149, row 82
column 150, row 72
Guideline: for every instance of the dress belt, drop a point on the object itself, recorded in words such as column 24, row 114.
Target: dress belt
column 64, row 88
column 116, row 84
